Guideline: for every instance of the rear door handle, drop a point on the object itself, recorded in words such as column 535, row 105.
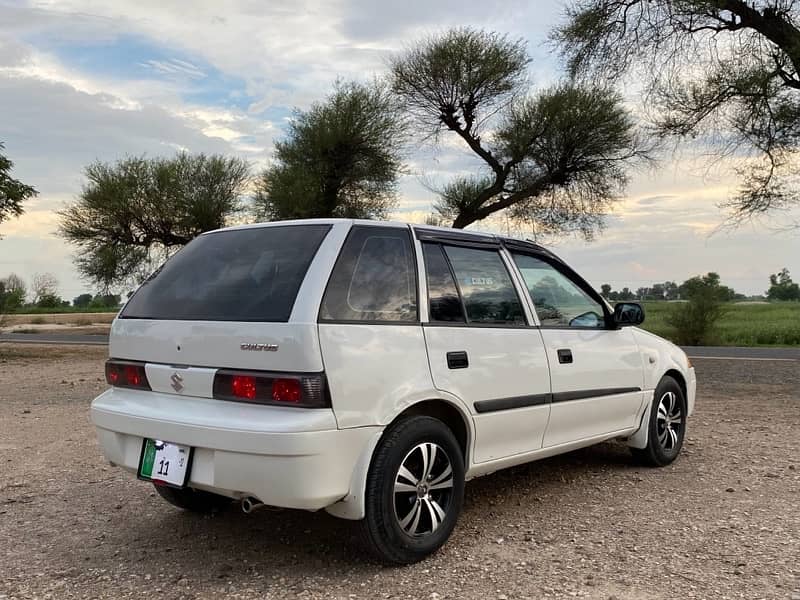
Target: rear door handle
column 564, row 356
column 457, row 360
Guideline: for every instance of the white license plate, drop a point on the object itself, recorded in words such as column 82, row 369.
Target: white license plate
column 164, row 462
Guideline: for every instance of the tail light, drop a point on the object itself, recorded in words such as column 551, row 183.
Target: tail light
column 243, row 386
column 284, row 389
column 122, row 373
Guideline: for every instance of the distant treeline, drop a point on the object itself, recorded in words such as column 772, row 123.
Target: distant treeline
column 781, row 287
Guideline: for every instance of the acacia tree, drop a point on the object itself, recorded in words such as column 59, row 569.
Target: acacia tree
column 12, row 191
column 341, row 158
column 131, row 215
column 556, row 157
column 726, row 70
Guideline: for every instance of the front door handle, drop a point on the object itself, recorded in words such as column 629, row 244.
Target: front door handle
column 564, row 356
column 457, row 360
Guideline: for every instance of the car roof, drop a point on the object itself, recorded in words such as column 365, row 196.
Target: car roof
column 421, row 230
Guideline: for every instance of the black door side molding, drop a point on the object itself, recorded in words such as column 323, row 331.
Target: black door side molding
column 596, row 393
column 485, row 406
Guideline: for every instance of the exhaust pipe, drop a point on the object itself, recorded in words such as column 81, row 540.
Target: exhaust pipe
column 250, row 504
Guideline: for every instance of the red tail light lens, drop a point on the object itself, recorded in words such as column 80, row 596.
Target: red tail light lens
column 286, row 390
column 126, row 374
column 244, row 386
column 132, row 375
column 259, row 387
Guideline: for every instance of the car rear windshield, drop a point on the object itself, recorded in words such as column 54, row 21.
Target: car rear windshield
column 235, row 275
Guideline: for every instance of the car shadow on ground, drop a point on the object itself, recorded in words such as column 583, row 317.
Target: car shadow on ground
column 268, row 540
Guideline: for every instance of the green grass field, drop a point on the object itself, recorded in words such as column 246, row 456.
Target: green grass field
column 741, row 324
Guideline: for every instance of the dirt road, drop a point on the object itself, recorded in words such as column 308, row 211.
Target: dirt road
column 722, row 522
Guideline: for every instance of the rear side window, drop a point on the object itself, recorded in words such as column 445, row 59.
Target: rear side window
column 235, row 275
column 374, row 279
column 445, row 304
column 487, row 289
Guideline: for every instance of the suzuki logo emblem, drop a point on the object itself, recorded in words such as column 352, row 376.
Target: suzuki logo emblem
column 176, row 381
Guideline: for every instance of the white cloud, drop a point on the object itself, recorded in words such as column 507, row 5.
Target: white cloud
column 59, row 115
column 300, row 45
column 174, row 66
column 52, row 130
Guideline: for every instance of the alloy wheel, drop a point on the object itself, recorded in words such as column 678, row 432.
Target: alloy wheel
column 669, row 421
column 423, row 489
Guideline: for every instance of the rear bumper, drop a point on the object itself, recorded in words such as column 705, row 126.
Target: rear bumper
column 294, row 458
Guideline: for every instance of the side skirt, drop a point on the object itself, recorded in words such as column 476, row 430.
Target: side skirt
column 485, row 468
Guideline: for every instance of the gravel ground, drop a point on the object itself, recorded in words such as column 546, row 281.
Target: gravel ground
column 721, row 522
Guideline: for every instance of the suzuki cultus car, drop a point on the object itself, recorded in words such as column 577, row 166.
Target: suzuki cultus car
column 370, row 369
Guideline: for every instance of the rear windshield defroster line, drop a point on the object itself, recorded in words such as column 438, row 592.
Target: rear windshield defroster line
column 249, row 274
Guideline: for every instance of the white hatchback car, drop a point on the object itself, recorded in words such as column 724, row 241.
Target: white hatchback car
column 370, row 369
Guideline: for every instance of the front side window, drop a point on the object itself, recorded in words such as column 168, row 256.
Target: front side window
column 486, row 286
column 374, row 278
column 559, row 301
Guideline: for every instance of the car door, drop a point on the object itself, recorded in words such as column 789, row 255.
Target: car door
column 596, row 369
column 482, row 348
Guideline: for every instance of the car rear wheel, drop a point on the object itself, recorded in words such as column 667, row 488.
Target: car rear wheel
column 193, row 500
column 667, row 426
column 415, row 491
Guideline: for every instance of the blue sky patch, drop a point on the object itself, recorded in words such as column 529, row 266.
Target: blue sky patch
column 131, row 58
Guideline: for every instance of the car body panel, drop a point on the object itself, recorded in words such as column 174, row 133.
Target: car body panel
column 295, row 346
column 374, row 371
column 660, row 356
column 606, row 365
column 503, row 363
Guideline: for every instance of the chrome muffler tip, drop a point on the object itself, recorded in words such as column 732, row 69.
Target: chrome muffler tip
column 250, row 504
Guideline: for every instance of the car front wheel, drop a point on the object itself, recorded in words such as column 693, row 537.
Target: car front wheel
column 415, row 491
column 667, row 426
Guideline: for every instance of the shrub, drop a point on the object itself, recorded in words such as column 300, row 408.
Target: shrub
column 82, row 301
column 695, row 320
column 49, row 301
column 105, row 301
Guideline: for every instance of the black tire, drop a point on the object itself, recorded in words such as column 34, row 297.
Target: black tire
column 410, row 443
column 193, row 500
column 667, row 425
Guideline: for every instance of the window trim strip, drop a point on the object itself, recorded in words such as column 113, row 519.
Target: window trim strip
column 456, row 238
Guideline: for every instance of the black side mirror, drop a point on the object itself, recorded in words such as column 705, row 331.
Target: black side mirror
column 628, row 313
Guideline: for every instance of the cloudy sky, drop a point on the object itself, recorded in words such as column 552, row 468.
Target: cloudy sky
column 83, row 79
